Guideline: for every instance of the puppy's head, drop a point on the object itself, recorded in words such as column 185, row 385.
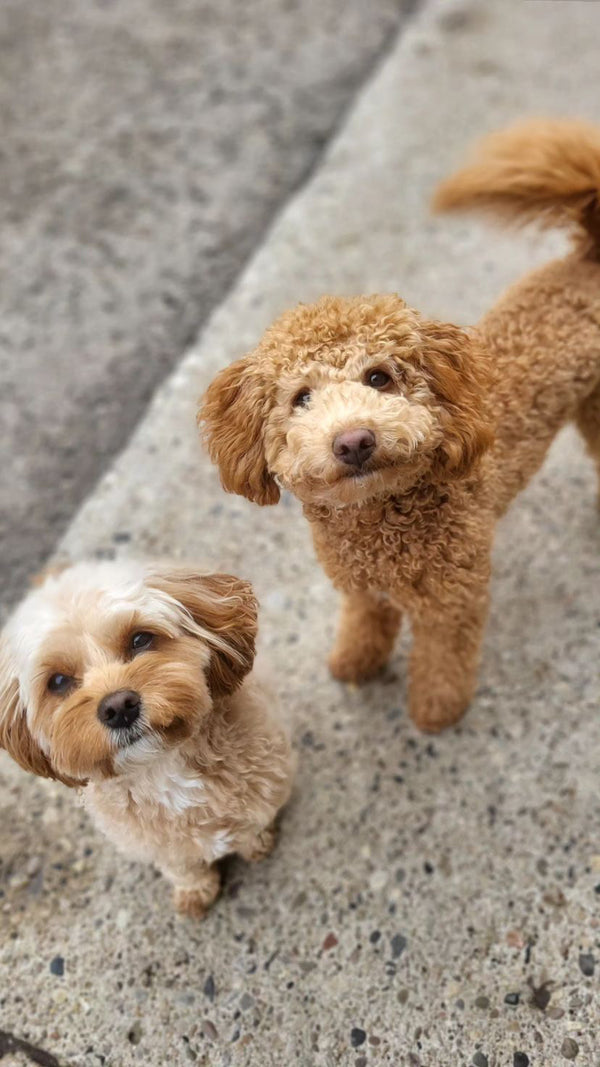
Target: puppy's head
column 347, row 400
column 108, row 664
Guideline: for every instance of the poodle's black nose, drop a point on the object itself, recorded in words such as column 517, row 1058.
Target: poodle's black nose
column 119, row 710
column 354, row 447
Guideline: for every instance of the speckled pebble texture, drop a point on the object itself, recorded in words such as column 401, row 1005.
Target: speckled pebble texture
column 146, row 145
column 432, row 902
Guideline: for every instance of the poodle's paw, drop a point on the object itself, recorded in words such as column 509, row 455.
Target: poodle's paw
column 195, row 901
column 437, row 708
column 357, row 665
column 260, row 845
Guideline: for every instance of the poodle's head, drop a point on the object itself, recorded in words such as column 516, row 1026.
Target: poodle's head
column 106, row 665
column 347, row 400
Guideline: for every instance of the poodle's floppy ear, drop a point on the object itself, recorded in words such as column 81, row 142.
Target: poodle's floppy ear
column 15, row 736
column 223, row 611
column 233, row 414
column 458, row 369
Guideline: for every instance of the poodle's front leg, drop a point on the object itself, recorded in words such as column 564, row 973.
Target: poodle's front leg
column 447, row 636
column 368, row 627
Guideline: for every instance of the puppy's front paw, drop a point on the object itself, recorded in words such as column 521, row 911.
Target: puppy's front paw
column 259, row 846
column 356, row 665
column 436, row 709
column 195, row 901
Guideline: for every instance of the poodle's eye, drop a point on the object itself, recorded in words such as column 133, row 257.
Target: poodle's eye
column 301, row 399
column 60, row 683
column 141, row 641
column 378, row 379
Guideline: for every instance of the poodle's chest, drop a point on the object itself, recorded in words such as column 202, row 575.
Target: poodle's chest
column 401, row 549
column 359, row 554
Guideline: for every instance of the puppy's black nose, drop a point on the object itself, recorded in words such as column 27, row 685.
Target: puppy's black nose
column 354, row 447
column 119, row 710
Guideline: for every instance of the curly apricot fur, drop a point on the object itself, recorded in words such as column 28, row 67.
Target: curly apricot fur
column 466, row 421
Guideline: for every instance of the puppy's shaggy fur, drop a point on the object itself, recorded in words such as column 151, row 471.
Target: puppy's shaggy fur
column 405, row 439
column 134, row 682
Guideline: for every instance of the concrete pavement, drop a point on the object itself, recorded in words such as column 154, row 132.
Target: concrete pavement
column 432, row 903
column 145, row 148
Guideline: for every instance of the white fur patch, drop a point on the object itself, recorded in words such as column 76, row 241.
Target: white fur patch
column 164, row 780
column 221, row 844
column 161, row 786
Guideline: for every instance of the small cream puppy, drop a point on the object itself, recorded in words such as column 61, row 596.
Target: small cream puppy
column 134, row 681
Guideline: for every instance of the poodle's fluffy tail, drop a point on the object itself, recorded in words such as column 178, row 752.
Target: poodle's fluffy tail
column 547, row 170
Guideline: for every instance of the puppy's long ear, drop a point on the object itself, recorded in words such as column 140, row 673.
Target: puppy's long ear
column 222, row 611
column 458, row 369
column 14, row 731
column 233, row 414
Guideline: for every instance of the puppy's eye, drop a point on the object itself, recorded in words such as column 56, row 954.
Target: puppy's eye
column 301, row 399
column 141, row 641
column 60, row 683
column 377, row 379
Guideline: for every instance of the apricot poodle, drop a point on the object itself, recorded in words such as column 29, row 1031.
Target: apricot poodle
column 405, row 439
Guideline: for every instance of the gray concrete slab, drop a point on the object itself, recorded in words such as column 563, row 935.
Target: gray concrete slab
column 145, row 147
column 427, row 896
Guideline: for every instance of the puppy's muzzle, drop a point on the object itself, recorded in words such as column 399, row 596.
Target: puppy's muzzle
column 354, row 447
column 120, row 710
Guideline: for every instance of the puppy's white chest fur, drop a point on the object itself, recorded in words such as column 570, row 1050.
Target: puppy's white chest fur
column 160, row 799
column 165, row 781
